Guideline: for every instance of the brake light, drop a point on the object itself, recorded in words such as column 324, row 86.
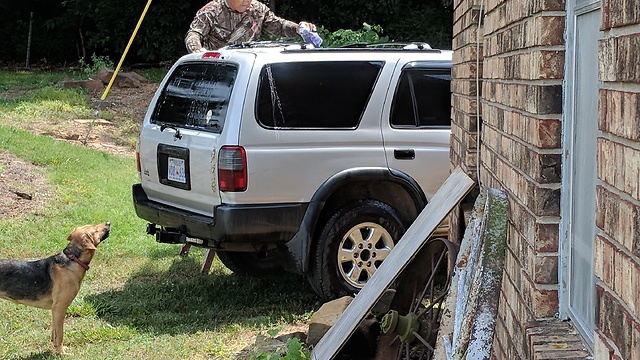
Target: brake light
column 211, row 55
column 138, row 167
column 232, row 169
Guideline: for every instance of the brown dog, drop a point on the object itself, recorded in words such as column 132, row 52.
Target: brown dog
column 54, row 282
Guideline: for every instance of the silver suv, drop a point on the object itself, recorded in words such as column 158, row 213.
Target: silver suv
column 286, row 157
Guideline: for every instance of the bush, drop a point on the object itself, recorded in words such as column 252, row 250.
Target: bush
column 367, row 35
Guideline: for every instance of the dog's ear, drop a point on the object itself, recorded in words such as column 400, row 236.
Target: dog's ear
column 88, row 241
column 82, row 238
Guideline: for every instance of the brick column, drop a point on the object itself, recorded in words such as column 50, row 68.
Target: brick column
column 467, row 55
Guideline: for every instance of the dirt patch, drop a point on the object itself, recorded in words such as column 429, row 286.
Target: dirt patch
column 131, row 102
column 23, row 187
column 24, row 190
column 96, row 132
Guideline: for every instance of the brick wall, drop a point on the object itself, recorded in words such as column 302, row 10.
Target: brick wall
column 464, row 86
column 617, row 244
column 521, row 67
column 519, row 97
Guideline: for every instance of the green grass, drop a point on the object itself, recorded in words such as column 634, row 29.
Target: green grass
column 27, row 79
column 140, row 299
column 28, row 97
column 38, row 100
column 154, row 74
column 54, row 105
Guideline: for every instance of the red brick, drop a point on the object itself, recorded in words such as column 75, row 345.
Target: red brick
column 546, row 269
column 545, row 303
column 618, row 218
column 618, row 165
column 604, row 261
column 619, row 113
column 602, row 350
column 615, row 322
column 635, row 341
column 617, row 13
column 620, row 58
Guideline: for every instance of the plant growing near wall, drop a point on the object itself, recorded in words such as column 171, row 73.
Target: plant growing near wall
column 295, row 351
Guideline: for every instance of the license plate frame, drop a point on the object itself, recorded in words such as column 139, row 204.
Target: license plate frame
column 173, row 166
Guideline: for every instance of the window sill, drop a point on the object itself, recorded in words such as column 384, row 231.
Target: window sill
column 555, row 339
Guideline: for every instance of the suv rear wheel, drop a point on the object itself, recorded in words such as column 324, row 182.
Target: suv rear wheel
column 252, row 263
column 352, row 245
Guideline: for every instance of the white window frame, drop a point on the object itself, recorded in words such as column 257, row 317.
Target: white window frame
column 574, row 8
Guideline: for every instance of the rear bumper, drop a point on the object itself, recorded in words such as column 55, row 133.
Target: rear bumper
column 231, row 223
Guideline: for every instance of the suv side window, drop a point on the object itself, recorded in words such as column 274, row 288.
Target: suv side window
column 196, row 96
column 315, row 95
column 422, row 99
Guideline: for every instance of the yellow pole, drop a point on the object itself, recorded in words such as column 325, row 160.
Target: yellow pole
column 115, row 73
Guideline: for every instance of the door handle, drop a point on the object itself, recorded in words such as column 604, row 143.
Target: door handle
column 404, row 154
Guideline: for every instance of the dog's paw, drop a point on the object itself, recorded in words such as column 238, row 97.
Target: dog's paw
column 62, row 350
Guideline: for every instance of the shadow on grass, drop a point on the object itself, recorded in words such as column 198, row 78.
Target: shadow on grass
column 184, row 300
column 45, row 355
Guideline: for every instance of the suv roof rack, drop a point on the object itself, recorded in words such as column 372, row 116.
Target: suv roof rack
column 293, row 46
column 413, row 45
column 261, row 44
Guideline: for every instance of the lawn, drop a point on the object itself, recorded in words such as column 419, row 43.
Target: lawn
column 140, row 299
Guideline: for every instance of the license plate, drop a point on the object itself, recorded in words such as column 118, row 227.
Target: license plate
column 176, row 170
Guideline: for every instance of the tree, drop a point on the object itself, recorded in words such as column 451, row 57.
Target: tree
column 67, row 30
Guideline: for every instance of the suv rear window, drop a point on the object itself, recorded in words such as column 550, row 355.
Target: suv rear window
column 196, row 96
column 315, row 94
column 423, row 99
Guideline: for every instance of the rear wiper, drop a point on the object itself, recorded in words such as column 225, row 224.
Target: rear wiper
column 177, row 135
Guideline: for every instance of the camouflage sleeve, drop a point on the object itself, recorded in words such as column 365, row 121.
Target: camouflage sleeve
column 278, row 26
column 192, row 41
column 199, row 26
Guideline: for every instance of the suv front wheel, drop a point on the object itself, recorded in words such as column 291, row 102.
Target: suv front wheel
column 351, row 246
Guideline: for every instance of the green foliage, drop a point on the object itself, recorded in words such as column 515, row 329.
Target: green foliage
column 66, row 30
column 411, row 20
column 98, row 62
column 295, row 351
column 367, row 35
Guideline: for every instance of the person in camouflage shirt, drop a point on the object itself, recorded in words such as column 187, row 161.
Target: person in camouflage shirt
column 224, row 22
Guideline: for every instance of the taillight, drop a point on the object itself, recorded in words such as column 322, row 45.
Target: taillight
column 138, row 162
column 232, row 169
column 211, row 55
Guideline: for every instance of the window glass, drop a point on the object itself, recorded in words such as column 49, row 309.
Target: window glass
column 197, row 95
column 315, row 94
column 422, row 99
column 585, row 3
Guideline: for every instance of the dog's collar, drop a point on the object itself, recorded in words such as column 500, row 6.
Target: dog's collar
column 75, row 258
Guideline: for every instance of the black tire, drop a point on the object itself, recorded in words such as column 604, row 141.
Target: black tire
column 252, row 263
column 351, row 246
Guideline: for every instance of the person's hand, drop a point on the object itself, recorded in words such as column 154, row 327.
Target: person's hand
column 308, row 25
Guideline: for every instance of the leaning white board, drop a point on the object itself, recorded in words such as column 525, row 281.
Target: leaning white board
column 452, row 191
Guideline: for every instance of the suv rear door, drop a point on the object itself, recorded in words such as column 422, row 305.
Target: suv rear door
column 190, row 118
column 416, row 122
